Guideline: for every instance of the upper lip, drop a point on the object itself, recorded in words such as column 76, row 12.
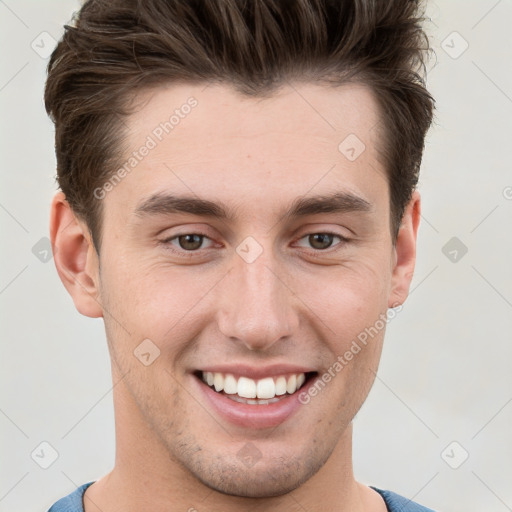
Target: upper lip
column 256, row 372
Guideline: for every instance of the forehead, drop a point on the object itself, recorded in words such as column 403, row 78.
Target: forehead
column 213, row 142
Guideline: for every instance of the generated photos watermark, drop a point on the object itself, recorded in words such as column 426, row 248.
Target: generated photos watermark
column 343, row 360
column 156, row 136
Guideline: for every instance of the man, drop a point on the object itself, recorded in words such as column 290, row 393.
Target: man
column 238, row 204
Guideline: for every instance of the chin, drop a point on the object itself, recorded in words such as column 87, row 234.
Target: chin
column 262, row 483
column 270, row 476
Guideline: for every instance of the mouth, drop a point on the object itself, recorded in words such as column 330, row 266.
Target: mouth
column 263, row 391
column 254, row 397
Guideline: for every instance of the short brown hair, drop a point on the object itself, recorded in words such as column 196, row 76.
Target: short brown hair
column 117, row 48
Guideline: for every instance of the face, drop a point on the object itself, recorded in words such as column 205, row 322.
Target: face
column 258, row 284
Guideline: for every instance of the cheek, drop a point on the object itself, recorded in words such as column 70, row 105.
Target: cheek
column 152, row 300
column 165, row 305
column 145, row 296
column 351, row 297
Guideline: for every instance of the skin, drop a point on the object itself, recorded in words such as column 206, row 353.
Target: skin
column 295, row 303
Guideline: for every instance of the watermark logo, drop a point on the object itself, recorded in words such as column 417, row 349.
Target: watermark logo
column 249, row 454
column 146, row 352
column 454, row 249
column 454, row 45
column 42, row 250
column 43, row 44
column 455, row 455
column 351, row 147
column 249, row 249
column 44, row 455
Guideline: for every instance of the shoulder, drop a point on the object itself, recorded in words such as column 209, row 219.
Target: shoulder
column 72, row 502
column 397, row 503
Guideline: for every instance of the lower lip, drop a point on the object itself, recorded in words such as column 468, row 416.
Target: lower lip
column 247, row 415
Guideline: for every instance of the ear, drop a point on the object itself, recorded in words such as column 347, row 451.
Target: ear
column 405, row 252
column 75, row 257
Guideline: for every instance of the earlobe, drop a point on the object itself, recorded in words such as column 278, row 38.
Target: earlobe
column 75, row 257
column 405, row 252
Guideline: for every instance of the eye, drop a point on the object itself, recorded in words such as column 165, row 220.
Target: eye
column 189, row 242
column 193, row 242
column 323, row 241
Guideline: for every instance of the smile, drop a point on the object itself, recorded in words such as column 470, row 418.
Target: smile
column 252, row 398
column 254, row 392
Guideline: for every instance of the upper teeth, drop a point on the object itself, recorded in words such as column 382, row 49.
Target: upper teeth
column 245, row 387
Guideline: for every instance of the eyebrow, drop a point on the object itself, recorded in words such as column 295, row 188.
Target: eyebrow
column 167, row 204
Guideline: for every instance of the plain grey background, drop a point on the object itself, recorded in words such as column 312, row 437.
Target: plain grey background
column 437, row 424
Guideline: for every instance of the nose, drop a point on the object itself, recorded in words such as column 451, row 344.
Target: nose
column 256, row 306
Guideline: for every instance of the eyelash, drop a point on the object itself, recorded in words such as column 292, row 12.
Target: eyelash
column 187, row 254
